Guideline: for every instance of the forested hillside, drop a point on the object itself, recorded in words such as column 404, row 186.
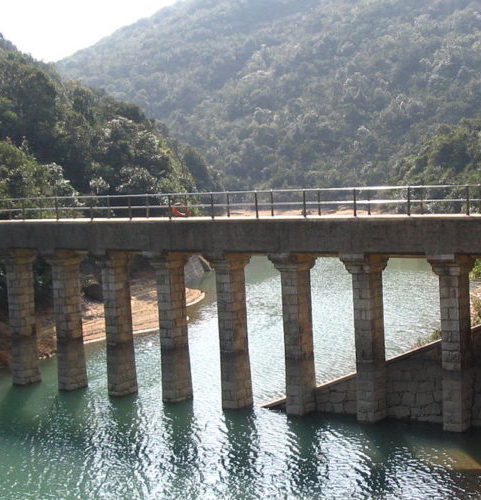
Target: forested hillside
column 59, row 138
column 286, row 93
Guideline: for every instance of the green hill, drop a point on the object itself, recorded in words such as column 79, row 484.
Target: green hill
column 288, row 93
column 58, row 138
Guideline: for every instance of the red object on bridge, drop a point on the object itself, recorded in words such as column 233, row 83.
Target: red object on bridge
column 181, row 210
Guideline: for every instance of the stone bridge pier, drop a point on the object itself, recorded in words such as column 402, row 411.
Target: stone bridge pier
column 438, row 383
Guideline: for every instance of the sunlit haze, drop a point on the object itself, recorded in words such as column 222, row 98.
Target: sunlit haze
column 52, row 29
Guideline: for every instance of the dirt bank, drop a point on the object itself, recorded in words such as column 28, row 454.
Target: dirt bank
column 144, row 317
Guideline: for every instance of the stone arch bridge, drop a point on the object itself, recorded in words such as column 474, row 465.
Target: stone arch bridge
column 437, row 383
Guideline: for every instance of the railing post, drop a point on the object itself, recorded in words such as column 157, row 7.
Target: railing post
column 129, row 203
column 147, row 206
column 91, row 209
column 212, row 213
column 319, row 212
column 304, row 208
column 256, row 204
column 408, row 206
column 354, row 202
column 468, row 201
column 228, row 203
column 23, row 209
column 108, row 207
column 368, row 202
column 169, row 202
column 272, row 203
column 56, row 208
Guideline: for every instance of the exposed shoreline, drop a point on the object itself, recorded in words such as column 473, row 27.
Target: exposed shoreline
column 144, row 318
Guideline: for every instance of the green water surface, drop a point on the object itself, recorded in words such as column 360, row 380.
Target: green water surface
column 85, row 445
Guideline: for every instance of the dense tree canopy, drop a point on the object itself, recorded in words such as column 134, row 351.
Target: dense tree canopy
column 452, row 154
column 284, row 93
column 57, row 137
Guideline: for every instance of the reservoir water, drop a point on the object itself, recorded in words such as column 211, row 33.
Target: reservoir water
column 84, row 445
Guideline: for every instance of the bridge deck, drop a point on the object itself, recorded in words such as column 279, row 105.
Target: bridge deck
column 384, row 234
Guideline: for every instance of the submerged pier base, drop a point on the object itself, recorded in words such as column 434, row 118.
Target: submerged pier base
column 121, row 370
column 21, row 313
column 298, row 340
column 174, row 342
column 236, row 384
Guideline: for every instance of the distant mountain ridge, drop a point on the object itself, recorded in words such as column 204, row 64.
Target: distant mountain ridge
column 287, row 93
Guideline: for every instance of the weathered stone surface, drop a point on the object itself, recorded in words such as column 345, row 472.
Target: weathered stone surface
column 298, row 341
column 236, row 383
column 406, row 397
column 453, row 272
column 416, row 235
column 173, row 331
column 71, row 365
column 121, row 370
column 21, row 308
column 366, row 271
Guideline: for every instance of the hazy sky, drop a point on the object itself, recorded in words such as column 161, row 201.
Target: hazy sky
column 52, row 29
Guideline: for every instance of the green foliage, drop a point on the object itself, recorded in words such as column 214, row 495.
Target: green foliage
column 286, row 93
column 434, row 336
column 452, row 155
column 476, row 271
column 99, row 144
column 21, row 176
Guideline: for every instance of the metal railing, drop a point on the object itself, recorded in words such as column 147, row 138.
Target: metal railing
column 303, row 203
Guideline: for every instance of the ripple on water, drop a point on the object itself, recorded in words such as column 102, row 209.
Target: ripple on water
column 85, row 445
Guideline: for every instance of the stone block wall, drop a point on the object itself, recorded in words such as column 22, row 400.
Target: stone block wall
column 195, row 268
column 476, row 344
column 414, row 385
column 413, row 388
column 338, row 396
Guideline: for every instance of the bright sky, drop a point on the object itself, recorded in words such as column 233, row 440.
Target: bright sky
column 52, row 29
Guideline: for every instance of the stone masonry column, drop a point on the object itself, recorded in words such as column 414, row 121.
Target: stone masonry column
column 232, row 316
column 174, row 342
column 298, row 340
column 453, row 272
column 21, row 311
column 121, row 371
column 71, row 366
column 366, row 271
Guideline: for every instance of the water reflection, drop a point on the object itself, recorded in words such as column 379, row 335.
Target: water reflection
column 87, row 445
column 239, row 452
